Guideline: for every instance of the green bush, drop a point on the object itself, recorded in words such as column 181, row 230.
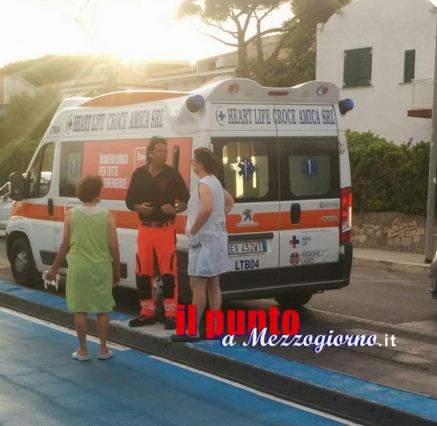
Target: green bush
column 15, row 157
column 386, row 176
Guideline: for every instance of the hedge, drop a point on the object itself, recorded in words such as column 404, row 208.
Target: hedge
column 387, row 177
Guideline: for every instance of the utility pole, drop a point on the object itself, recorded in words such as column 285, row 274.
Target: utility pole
column 430, row 209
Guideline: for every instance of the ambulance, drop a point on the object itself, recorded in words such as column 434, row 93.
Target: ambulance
column 281, row 155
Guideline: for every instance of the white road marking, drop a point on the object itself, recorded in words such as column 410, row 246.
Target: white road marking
column 57, row 327
column 256, row 392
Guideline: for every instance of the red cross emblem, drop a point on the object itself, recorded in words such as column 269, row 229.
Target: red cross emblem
column 294, row 242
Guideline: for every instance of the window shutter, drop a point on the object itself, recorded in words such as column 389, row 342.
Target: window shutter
column 409, row 65
column 365, row 69
column 358, row 67
column 351, row 65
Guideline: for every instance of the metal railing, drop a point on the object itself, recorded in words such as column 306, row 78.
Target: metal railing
column 422, row 93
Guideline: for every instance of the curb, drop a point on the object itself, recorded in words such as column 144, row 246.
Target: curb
column 288, row 388
column 390, row 266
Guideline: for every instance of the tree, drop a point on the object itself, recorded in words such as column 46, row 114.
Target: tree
column 22, row 126
column 298, row 42
column 27, row 116
column 232, row 19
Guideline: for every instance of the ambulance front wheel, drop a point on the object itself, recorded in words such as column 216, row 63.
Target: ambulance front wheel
column 293, row 300
column 22, row 263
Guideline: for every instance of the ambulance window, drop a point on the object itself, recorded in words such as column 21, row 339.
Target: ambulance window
column 71, row 168
column 309, row 168
column 176, row 156
column 40, row 174
column 246, row 168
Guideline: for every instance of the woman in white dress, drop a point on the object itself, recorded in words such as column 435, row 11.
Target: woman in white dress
column 208, row 239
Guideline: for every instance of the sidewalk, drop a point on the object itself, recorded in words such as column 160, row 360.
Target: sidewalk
column 391, row 260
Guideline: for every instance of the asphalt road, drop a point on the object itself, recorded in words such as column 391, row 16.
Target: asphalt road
column 389, row 297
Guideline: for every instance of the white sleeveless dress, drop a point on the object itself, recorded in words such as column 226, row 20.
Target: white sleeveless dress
column 208, row 249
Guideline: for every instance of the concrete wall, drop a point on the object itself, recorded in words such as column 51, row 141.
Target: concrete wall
column 389, row 27
column 390, row 231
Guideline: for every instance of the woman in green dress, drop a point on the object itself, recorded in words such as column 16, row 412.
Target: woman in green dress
column 90, row 245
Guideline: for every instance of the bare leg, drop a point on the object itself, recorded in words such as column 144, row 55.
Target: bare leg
column 197, row 285
column 80, row 320
column 103, row 329
column 214, row 293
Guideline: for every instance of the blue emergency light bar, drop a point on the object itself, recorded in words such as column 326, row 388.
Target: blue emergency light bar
column 345, row 105
column 195, row 103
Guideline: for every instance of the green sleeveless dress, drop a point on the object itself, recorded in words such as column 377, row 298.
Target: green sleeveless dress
column 89, row 278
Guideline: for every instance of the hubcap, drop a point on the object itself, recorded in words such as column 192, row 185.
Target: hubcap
column 21, row 262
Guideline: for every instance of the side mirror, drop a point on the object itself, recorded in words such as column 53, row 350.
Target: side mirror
column 18, row 185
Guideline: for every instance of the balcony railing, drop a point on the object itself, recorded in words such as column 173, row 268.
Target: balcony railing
column 422, row 94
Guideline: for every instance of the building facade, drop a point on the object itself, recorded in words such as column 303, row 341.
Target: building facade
column 117, row 77
column 208, row 70
column 381, row 54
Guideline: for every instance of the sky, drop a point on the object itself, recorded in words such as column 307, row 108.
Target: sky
column 132, row 29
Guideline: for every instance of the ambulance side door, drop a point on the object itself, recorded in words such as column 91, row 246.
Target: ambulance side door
column 38, row 206
column 309, row 207
column 249, row 168
column 70, row 171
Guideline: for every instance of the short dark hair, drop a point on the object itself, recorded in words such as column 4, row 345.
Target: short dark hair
column 207, row 158
column 88, row 188
column 156, row 140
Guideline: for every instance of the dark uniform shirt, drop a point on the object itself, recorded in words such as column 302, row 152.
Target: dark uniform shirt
column 165, row 188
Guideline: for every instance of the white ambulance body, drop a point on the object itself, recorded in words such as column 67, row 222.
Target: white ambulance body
column 282, row 156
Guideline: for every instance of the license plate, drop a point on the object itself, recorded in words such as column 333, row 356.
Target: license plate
column 247, row 247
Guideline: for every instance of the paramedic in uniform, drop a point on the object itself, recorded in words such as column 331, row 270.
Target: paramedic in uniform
column 157, row 192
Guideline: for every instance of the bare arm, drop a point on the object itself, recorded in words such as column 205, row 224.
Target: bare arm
column 206, row 201
column 229, row 201
column 63, row 250
column 114, row 247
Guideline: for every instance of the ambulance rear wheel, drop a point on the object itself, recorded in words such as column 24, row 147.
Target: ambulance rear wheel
column 293, row 300
column 22, row 264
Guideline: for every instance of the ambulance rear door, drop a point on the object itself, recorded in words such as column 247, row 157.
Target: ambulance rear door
column 309, row 193
column 247, row 152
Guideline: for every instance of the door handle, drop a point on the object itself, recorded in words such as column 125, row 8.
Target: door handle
column 50, row 206
column 295, row 213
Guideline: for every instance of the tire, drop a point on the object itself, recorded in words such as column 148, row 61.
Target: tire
column 293, row 300
column 23, row 264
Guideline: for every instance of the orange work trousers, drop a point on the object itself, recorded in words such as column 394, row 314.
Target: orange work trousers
column 162, row 242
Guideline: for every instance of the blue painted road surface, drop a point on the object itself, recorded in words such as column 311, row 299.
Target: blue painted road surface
column 41, row 385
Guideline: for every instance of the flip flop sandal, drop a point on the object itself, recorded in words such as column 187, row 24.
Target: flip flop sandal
column 107, row 355
column 75, row 355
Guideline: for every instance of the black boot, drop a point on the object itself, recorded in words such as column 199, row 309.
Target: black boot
column 170, row 323
column 141, row 321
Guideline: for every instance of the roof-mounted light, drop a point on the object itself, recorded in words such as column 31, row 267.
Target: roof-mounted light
column 195, row 103
column 322, row 90
column 233, row 88
column 345, row 105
